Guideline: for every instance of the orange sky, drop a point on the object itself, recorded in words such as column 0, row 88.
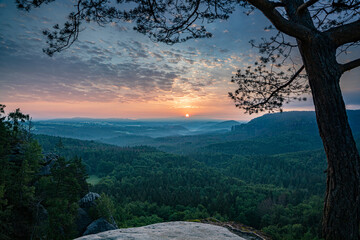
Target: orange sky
column 49, row 110
column 46, row 110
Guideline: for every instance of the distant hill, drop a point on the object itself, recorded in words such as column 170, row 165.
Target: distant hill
column 298, row 121
column 278, row 131
column 272, row 124
column 226, row 124
column 268, row 134
column 88, row 120
column 114, row 129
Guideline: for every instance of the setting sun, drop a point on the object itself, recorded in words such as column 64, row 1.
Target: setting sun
column 187, row 115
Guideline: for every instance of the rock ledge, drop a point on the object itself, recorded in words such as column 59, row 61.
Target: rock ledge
column 167, row 231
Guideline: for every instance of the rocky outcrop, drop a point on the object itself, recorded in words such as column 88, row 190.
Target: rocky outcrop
column 167, row 231
column 48, row 162
column 89, row 200
column 239, row 229
column 85, row 224
column 82, row 221
column 99, row 225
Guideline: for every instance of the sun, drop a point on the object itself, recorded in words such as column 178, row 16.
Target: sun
column 187, row 115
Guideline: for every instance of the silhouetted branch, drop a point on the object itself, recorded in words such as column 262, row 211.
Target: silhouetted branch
column 345, row 34
column 350, row 65
column 305, row 6
column 290, row 28
column 278, row 89
column 278, row 4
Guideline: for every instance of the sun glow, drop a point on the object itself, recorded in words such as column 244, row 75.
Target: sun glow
column 187, row 115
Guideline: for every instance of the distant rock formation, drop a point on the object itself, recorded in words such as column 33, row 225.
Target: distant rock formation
column 167, row 231
column 85, row 224
column 48, row 162
column 89, row 200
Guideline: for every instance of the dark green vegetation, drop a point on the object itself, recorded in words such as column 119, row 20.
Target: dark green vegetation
column 34, row 203
column 268, row 174
column 281, row 194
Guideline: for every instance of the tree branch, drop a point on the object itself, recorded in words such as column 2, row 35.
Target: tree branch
column 305, row 6
column 290, row 28
column 345, row 34
column 279, row 88
column 350, row 65
column 278, row 4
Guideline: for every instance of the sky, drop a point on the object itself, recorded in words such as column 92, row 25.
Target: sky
column 115, row 72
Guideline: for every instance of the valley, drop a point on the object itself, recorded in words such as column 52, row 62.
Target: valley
column 267, row 173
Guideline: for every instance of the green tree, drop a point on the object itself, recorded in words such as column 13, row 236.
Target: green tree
column 104, row 208
column 24, row 190
column 20, row 157
column 60, row 193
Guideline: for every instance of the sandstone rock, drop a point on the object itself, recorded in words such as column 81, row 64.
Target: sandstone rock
column 88, row 200
column 167, row 231
column 99, row 225
column 82, row 221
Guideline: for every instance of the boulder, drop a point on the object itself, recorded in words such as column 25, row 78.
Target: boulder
column 168, row 231
column 82, row 221
column 99, row 225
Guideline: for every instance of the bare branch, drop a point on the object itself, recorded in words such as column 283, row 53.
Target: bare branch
column 350, row 65
column 345, row 34
column 288, row 27
column 278, row 4
column 279, row 88
column 305, row 6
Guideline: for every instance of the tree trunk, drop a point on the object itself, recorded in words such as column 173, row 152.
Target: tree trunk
column 342, row 201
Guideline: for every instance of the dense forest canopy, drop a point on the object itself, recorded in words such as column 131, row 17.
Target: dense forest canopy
column 275, row 193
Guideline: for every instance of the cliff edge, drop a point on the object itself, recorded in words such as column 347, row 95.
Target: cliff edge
column 167, row 231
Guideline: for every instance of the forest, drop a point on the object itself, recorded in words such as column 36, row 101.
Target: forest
column 278, row 190
column 280, row 194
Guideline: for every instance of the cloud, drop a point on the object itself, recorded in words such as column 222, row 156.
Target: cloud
column 72, row 78
column 223, row 50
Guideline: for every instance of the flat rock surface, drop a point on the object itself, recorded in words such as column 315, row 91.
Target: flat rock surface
column 167, row 231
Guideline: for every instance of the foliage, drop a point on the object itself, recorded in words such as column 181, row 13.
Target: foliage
column 25, row 191
column 278, row 193
column 104, row 208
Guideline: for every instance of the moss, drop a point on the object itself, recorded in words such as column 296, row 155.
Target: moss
column 193, row 220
